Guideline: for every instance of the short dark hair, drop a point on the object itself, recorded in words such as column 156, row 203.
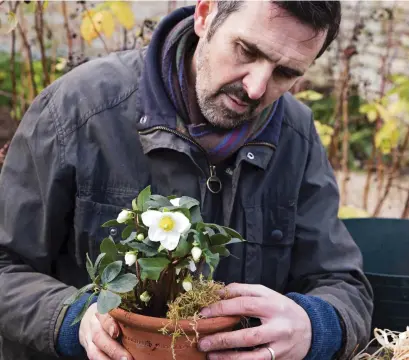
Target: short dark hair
column 320, row 15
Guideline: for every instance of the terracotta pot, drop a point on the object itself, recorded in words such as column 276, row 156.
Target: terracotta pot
column 142, row 338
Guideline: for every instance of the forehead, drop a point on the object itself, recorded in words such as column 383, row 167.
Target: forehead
column 274, row 29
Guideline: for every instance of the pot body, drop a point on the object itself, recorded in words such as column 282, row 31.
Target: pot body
column 142, row 337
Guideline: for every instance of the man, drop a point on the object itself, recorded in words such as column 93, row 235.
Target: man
column 204, row 113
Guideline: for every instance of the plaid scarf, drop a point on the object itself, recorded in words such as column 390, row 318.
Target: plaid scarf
column 219, row 144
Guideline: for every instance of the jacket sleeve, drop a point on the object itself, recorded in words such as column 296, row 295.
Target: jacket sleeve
column 36, row 202
column 326, row 263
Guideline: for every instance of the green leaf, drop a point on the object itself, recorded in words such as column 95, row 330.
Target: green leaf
column 74, row 297
column 98, row 262
column 152, row 267
column 110, row 223
column 188, row 202
column 219, row 228
column 143, row 197
column 111, row 272
column 146, row 249
column 78, row 318
column 134, row 205
column 161, row 200
column 219, row 239
column 104, row 263
column 209, row 231
column 183, row 248
column 108, row 247
column 90, row 268
column 123, row 283
column 234, row 241
column 220, row 249
column 211, row 259
column 131, row 237
column 233, row 233
column 152, row 244
column 195, row 215
column 203, row 240
column 122, row 248
column 126, row 233
column 107, row 301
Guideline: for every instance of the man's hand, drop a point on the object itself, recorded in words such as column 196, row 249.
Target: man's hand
column 97, row 336
column 285, row 326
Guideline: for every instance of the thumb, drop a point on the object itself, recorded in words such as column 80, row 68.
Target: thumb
column 108, row 324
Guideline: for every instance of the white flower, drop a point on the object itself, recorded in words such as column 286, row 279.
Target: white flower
column 196, row 253
column 187, row 285
column 192, row 266
column 124, row 215
column 175, row 202
column 130, row 258
column 166, row 227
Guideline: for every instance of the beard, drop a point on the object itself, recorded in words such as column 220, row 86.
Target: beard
column 211, row 102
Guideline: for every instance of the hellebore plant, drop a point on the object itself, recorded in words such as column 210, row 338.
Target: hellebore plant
column 166, row 247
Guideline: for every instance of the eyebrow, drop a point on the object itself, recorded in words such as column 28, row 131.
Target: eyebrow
column 255, row 49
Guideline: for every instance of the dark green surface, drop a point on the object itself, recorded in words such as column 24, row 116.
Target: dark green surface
column 385, row 247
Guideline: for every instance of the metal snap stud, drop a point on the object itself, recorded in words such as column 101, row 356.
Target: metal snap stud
column 276, row 235
column 113, row 231
column 250, row 155
column 143, row 119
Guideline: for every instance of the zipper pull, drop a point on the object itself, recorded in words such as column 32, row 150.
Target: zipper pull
column 213, row 182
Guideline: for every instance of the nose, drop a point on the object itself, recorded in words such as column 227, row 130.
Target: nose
column 256, row 81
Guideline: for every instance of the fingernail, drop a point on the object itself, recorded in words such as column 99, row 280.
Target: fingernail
column 111, row 332
column 205, row 312
column 204, row 345
column 124, row 358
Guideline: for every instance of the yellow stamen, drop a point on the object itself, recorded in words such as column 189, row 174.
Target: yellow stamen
column 166, row 223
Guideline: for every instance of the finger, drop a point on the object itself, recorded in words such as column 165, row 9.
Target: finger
column 108, row 324
column 241, row 306
column 235, row 289
column 93, row 353
column 259, row 354
column 236, row 339
column 110, row 347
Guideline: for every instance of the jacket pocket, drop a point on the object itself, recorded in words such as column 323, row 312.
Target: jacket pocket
column 89, row 233
column 270, row 236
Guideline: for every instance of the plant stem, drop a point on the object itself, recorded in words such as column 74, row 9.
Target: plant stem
column 39, row 27
column 67, row 31
column 95, row 28
column 405, row 212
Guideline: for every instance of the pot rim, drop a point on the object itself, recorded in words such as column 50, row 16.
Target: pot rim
column 153, row 324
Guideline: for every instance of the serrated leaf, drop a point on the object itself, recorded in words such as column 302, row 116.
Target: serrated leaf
column 111, row 272
column 152, row 267
column 74, row 297
column 78, row 318
column 183, row 248
column 98, row 261
column 232, row 233
column 107, row 301
column 108, row 247
column 126, row 233
column 188, row 202
column 143, row 197
column 220, row 249
column 235, row 240
column 110, row 223
column 90, row 268
column 145, row 249
column 123, row 283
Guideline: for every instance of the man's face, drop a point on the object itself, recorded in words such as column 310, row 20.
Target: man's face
column 254, row 57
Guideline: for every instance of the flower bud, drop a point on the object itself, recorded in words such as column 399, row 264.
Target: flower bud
column 140, row 237
column 187, row 285
column 196, row 253
column 124, row 215
column 130, row 258
column 145, row 297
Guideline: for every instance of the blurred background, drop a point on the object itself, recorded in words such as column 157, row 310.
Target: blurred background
column 358, row 90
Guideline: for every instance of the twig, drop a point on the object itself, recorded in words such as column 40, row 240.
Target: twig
column 39, row 27
column 29, row 57
column 405, row 212
column 13, row 64
column 67, row 30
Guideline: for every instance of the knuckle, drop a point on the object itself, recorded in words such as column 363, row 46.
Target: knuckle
column 111, row 350
column 247, row 306
column 95, row 336
column 252, row 337
column 224, row 341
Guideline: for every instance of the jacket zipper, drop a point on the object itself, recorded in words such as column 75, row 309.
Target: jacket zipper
column 213, row 178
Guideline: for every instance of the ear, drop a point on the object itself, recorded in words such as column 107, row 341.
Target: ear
column 204, row 13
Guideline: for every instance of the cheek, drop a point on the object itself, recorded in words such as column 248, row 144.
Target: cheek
column 277, row 88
